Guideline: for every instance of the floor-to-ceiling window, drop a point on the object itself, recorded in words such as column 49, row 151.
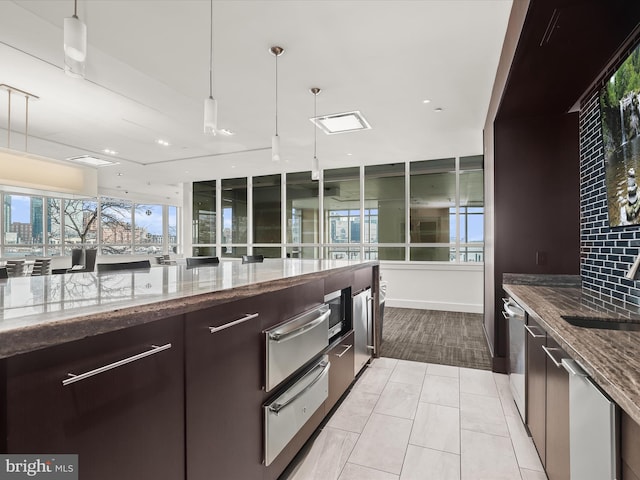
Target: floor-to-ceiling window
column 267, row 216
column 204, row 218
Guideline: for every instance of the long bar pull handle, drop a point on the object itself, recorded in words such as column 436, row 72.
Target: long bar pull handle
column 348, row 347
column 276, row 407
column 548, row 351
column 76, row 378
column 506, row 315
column 281, row 337
column 247, row 317
column 532, row 333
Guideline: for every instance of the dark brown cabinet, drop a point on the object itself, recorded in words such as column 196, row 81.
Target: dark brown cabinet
column 547, row 401
column 224, row 391
column 123, row 413
column 341, row 373
column 557, row 444
column 536, row 385
column 629, row 448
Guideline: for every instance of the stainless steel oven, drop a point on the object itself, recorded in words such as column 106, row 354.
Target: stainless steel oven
column 294, row 343
column 338, row 303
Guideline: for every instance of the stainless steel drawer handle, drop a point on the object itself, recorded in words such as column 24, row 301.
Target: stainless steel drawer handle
column 248, row 316
column 548, row 351
column 277, row 407
column 280, row 336
column 348, row 347
column 533, row 334
column 76, row 378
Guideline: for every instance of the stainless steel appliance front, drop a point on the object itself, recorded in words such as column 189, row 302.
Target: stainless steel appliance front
column 362, row 328
column 291, row 345
column 284, row 416
column 516, row 317
column 338, row 302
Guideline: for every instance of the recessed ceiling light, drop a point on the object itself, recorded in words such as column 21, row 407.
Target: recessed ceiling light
column 226, row 132
column 438, row 109
column 109, row 151
column 341, row 122
column 426, row 101
column 162, row 142
column 120, row 174
column 349, row 154
column 90, row 160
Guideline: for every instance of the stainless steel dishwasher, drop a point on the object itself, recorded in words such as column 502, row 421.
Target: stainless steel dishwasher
column 516, row 317
column 593, row 420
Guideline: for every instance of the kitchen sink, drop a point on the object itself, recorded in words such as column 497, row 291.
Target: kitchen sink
column 605, row 323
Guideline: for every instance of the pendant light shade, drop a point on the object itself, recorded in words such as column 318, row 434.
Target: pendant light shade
column 210, row 116
column 210, row 103
column 275, row 148
column 75, row 44
column 75, row 39
column 315, row 163
column 275, row 140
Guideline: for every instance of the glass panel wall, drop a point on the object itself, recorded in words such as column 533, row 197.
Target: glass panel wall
column 116, row 226
column 341, row 196
column 172, row 229
column 204, row 213
column 267, row 210
column 471, row 209
column 302, row 209
column 432, row 211
column 384, row 210
column 234, row 217
column 149, row 235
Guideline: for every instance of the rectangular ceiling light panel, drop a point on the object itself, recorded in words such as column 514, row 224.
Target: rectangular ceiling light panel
column 341, row 122
column 90, row 160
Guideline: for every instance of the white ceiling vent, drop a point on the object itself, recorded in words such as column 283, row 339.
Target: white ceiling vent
column 341, row 122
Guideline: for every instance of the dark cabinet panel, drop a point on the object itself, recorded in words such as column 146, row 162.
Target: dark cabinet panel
column 629, row 447
column 224, row 391
column 126, row 422
column 362, row 278
column 557, row 445
column 341, row 373
column 536, row 388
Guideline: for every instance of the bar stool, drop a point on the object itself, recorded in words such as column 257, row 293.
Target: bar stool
column 15, row 268
column 252, row 258
column 41, row 266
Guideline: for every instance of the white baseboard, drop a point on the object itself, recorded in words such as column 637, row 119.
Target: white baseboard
column 426, row 305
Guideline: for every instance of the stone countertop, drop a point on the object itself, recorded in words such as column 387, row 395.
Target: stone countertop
column 48, row 310
column 610, row 357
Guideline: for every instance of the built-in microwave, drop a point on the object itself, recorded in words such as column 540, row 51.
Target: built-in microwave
column 339, row 318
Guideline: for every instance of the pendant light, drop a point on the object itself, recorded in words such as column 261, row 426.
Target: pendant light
column 275, row 140
column 75, row 44
column 210, row 104
column 315, row 164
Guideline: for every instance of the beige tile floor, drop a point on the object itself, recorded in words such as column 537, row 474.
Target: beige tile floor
column 408, row 420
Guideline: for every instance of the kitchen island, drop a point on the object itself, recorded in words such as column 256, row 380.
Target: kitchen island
column 160, row 373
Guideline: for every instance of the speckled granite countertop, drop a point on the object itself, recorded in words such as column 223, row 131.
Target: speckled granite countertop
column 610, row 357
column 37, row 312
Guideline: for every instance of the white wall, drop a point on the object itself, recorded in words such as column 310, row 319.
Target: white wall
column 454, row 288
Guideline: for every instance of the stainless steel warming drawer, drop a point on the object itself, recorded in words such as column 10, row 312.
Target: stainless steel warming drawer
column 291, row 345
column 287, row 414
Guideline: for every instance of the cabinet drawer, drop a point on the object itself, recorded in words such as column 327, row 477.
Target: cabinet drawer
column 126, row 393
column 341, row 374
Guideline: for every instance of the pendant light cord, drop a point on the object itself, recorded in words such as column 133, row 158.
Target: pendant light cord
column 211, row 53
column 315, row 128
column 276, row 95
column 75, row 8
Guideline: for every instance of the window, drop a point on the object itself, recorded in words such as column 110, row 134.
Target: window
column 302, row 209
column 385, row 210
column 471, row 209
column 234, row 217
column 47, row 226
column 267, row 213
column 341, row 197
column 204, row 213
column 432, row 211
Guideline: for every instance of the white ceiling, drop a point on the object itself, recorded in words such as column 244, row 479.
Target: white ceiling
column 147, row 76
